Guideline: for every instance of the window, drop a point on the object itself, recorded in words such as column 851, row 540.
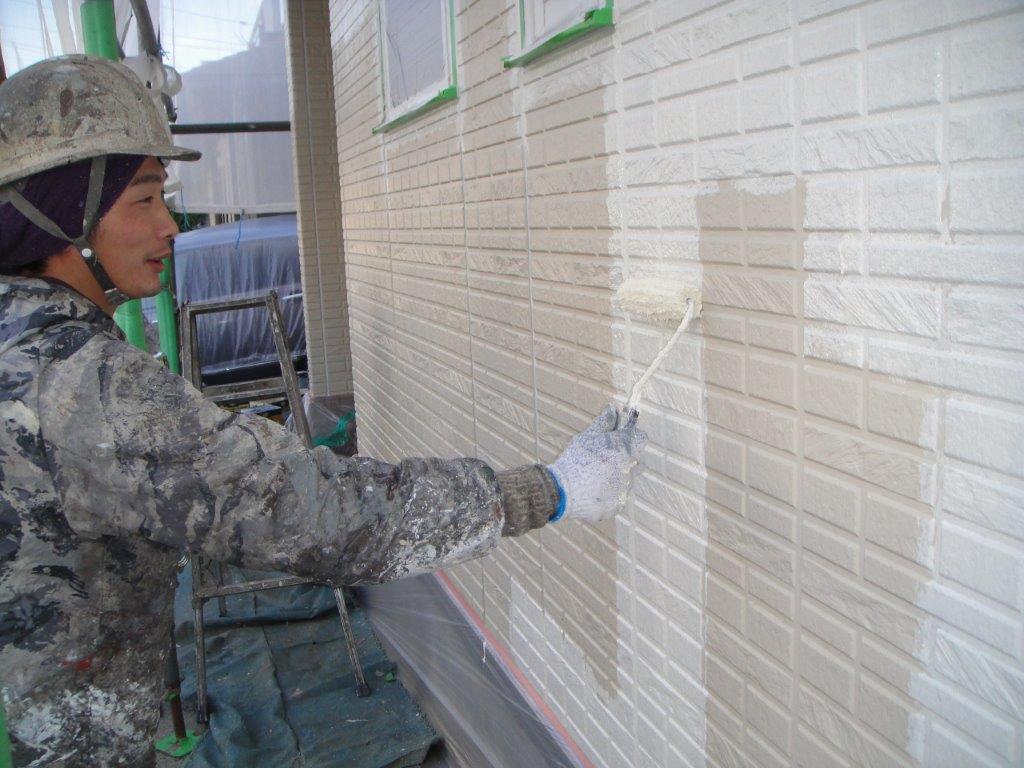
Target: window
column 417, row 58
column 547, row 24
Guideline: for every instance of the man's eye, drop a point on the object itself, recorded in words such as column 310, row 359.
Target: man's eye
column 147, row 199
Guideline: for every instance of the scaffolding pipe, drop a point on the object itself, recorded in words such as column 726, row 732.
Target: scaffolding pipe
column 166, row 320
column 5, row 742
column 144, row 23
column 266, row 126
column 166, row 317
column 99, row 31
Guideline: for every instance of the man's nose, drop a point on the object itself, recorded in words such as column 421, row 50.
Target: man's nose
column 168, row 227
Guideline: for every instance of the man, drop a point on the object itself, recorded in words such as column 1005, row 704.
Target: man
column 110, row 466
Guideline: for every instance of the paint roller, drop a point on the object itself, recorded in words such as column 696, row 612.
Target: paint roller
column 661, row 301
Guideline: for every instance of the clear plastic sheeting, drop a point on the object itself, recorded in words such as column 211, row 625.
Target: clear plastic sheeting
column 233, row 65
column 332, row 422
column 416, row 52
column 549, row 17
column 247, row 258
column 232, row 60
column 469, row 686
column 33, row 31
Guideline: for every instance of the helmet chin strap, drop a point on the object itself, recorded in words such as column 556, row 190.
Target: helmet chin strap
column 97, row 171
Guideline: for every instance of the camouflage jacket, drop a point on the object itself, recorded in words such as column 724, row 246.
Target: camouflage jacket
column 111, row 467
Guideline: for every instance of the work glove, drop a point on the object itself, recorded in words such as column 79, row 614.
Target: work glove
column 594, row 471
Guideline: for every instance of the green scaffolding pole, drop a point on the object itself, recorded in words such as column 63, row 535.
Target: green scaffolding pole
column 166, row 321
column 5, row 742
column 99, row 32
column 99, row 29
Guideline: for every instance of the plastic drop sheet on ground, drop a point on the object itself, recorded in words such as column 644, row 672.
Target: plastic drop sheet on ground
column 282, row 692
column 473, row 688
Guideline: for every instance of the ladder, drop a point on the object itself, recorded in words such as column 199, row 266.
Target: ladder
column 289, row 383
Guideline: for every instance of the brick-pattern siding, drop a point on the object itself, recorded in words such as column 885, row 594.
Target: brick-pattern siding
column 325, row 304
column 823, row 564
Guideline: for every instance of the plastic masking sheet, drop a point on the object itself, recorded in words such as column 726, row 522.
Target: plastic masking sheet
column 480, row 702
column 415, row 49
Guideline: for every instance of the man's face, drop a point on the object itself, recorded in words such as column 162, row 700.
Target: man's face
column 134, row 237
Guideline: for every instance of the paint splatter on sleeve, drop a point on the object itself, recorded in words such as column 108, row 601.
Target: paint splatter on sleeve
column 136, row 450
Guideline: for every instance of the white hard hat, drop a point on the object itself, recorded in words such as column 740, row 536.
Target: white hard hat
column 71, row 108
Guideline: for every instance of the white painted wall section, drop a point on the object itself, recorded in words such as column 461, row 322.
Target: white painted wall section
column 823, row 564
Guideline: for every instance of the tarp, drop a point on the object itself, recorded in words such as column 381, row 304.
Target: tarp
column 282, row 691
column 247, row 258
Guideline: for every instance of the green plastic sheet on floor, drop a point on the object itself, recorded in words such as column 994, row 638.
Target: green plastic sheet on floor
column 282, row 691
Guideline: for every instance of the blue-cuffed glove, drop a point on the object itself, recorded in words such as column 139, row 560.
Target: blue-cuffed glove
column 595, row 470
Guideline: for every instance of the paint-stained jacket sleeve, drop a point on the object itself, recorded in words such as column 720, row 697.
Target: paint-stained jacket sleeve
column 135, row 450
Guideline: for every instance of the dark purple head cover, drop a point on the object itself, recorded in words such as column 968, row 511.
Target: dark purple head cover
column 60, row 194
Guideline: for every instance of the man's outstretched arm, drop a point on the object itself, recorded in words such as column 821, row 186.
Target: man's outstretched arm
column 137, row 451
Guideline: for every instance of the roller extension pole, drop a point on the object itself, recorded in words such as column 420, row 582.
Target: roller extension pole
column 663, row 301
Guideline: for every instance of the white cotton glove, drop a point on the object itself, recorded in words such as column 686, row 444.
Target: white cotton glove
column 595, row 469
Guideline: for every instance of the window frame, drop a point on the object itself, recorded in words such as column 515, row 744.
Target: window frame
column 597, row 18
column 419, row 104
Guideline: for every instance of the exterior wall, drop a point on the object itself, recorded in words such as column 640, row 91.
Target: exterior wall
column 823, row 564
column 318, row 199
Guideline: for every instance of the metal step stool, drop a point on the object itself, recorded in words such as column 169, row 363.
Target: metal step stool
column 289, row 385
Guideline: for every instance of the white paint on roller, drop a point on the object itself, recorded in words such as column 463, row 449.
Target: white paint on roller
column 657, row 299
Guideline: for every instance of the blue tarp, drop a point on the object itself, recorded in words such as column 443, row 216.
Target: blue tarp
column 246, row 259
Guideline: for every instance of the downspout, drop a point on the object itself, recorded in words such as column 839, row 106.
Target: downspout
column 99, row 32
